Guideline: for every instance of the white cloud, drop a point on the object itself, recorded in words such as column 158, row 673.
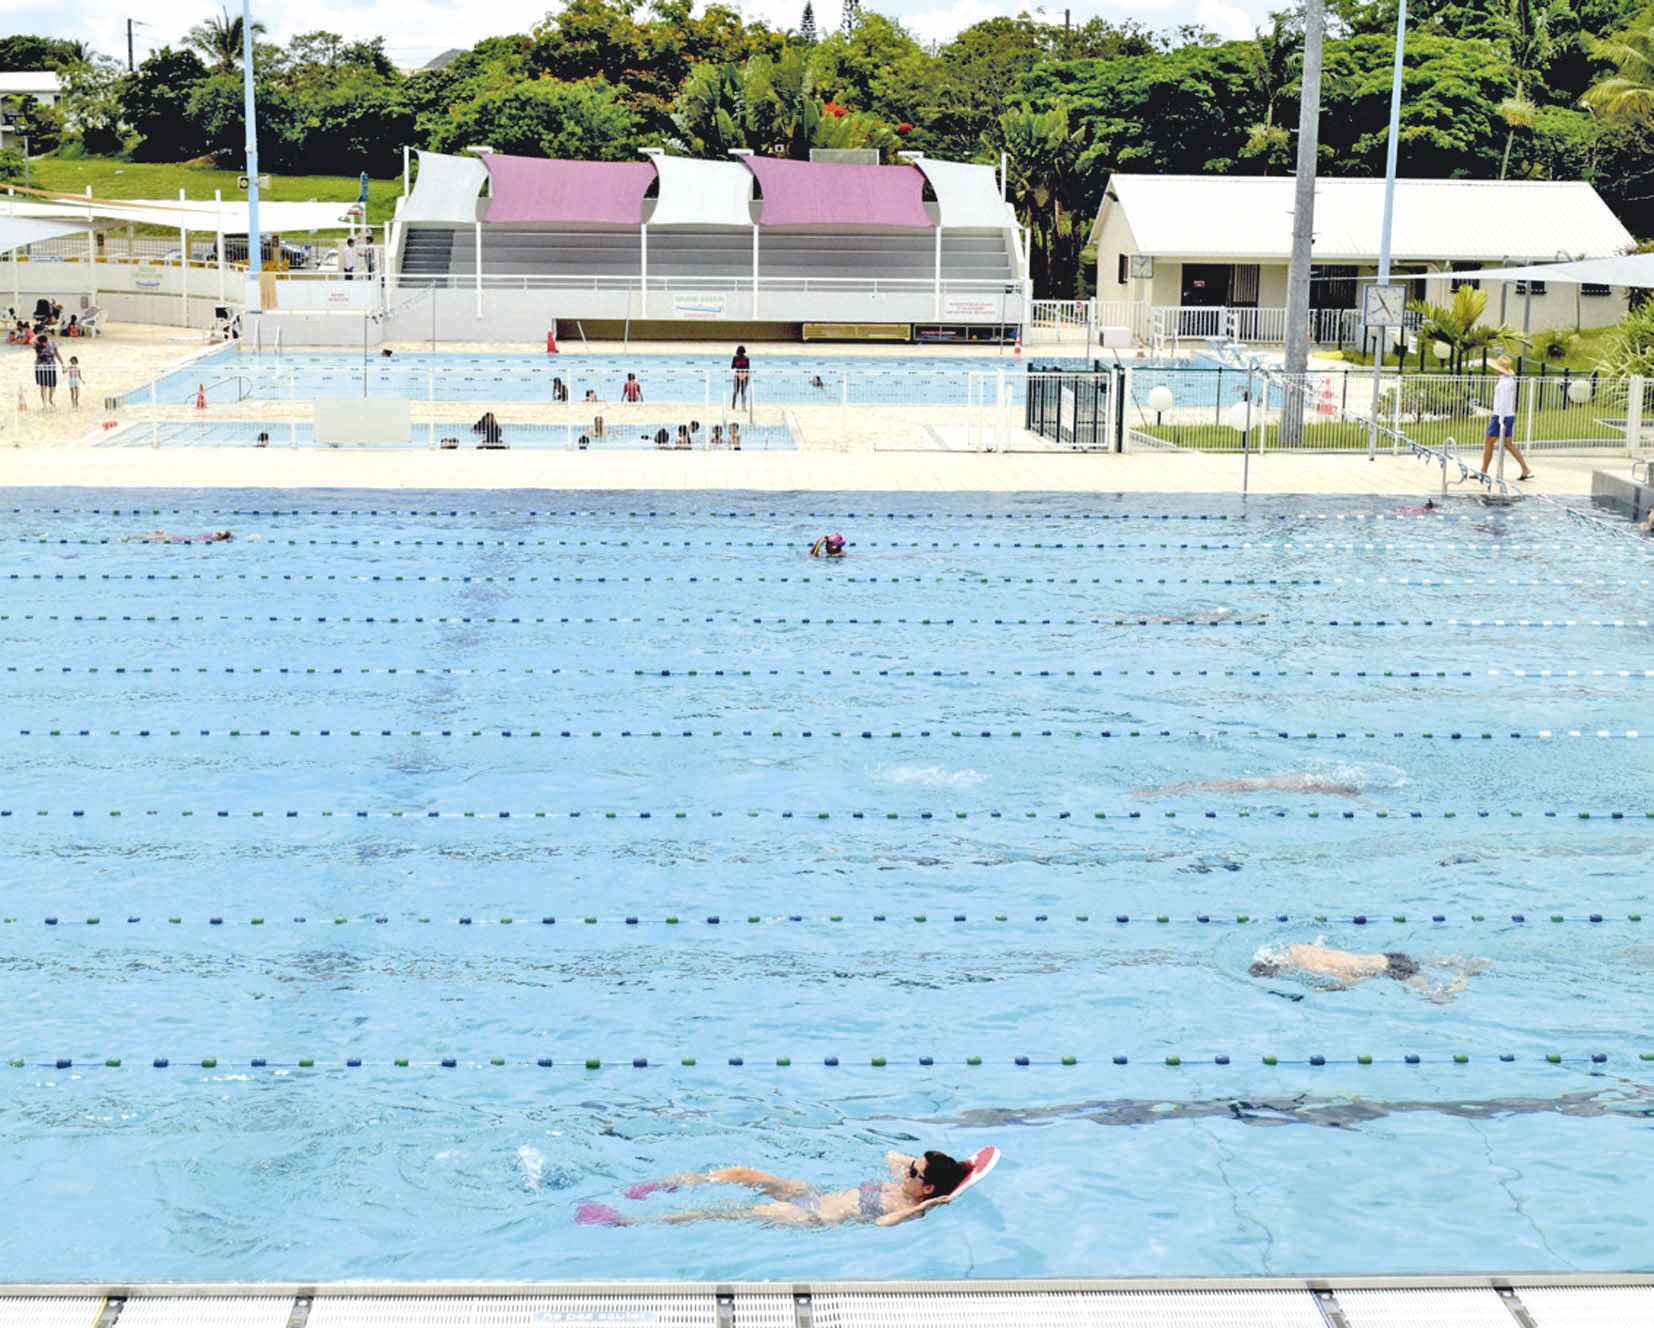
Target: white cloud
column 1223, row 18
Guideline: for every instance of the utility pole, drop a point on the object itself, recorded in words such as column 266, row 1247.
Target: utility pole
column 255, row 241
column 1303, row 224
column 1389, row 213
column 130, row 65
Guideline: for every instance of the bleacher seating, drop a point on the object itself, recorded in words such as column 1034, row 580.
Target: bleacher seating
column 713, row 254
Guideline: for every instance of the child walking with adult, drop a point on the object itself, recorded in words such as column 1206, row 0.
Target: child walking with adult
column 1504, row 418
column 72, row 376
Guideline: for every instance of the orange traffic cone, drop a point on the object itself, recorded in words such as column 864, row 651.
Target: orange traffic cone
column 200, row 397
column 1325, row 407
column 1016, row 348
column 551, row 343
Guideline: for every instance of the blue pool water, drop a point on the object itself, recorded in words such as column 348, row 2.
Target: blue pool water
column 322, row 790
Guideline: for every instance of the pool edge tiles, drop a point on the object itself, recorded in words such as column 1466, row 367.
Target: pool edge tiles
column 809, row 469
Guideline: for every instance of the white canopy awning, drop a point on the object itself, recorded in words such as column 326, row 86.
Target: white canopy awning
column 1625, row 270
column 15, row 232
column 701, row 193
column 449, row 189
column 967, row 196
column 230, row 216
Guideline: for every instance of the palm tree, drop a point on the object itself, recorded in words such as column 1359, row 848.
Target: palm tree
column 1459, row 324
column 1271, row 61
column 1047, row 162
column 219, row 40
column 1528, row 47
column 1629, row 92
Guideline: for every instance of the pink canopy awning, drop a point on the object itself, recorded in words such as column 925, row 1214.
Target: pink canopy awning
column 534, row 189
column 820, row 193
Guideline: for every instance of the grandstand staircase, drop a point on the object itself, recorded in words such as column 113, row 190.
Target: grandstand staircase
column 427, row 253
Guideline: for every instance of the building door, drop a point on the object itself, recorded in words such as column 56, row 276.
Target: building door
column 1331, row 286
column 1205, row 284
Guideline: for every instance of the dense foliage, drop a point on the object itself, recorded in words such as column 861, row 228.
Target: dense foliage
column 1539, row 89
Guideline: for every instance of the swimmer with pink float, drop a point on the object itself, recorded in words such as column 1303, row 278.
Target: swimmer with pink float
column 916, row 1185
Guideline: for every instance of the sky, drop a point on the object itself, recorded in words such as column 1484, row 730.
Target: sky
column 416, row 30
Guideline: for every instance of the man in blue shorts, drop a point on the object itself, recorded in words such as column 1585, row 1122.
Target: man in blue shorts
column 1504, row 417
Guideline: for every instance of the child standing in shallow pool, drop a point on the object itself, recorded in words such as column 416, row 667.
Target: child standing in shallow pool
column 74, row 382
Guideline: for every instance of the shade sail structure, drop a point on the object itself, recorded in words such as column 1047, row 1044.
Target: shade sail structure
column 590, row 192
column 702, row 193
column 230, row 216
column 1625, row 270
column 15, row 232
column 820, row 193
column 967, row 196
column 449, row 189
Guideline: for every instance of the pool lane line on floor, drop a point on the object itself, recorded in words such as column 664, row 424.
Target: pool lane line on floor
column 1201, row 735
column 527, row 670
column 421, row 814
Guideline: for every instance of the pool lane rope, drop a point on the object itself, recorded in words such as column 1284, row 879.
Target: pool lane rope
column 1202, row 735
column 419, row 670
column 614, row 513
column 1598, row 816
column 941, row 915
column 738, row 617
column 591, row 1064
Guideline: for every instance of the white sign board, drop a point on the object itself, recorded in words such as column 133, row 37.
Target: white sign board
column 705, row 305
column 1067, row 413
column 971, row 306
column 355, row 421
column 325, row 293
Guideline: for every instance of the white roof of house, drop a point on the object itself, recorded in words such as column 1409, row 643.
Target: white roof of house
column 1249, row 218
column 31, row 83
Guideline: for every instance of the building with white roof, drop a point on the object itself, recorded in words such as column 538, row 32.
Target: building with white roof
column 43, row 85
column 1210, row 252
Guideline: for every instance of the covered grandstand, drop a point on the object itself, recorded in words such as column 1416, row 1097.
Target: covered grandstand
column 799, row 247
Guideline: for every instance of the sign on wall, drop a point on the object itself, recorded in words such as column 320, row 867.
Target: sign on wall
column 970, row 306
column 707, row 305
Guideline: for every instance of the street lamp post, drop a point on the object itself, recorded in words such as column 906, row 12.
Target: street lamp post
column 255, row 241
column 1389, row 214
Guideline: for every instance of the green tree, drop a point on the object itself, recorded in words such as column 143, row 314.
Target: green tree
column 1631, row 349
column 22, row 52
column 875, row 68
column 546, row 118
column 153, row 98
column 1046, row 160
column 11, row 165
column 973, row 82
column 807, row 35
column 1273, row 59
column 1459, row 324
column 92, row 104
column 1628, row 93
column 219, row 40
column 1451, row 89
column 35, row 120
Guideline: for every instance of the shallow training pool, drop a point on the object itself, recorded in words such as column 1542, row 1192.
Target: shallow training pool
column 465, row 859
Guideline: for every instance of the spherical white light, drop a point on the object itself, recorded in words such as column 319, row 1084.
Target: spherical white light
column 1240, row 416
column 1161, row 398
column 1579, row 391
column 1442, row 349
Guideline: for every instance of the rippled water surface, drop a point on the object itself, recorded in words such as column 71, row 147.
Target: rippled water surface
column 510, row 779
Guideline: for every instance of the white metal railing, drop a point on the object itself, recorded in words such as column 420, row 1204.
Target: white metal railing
column 1263, row 325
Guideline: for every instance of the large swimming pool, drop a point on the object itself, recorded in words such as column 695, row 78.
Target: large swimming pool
column 433, row 864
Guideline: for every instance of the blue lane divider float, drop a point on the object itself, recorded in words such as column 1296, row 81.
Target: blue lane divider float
column 944, row 915
column 873, row 817
column 851, row 578
column 1202, row 735
column 741, row 618
column 410, row 512
column 1169, row 1060
column 329, row 671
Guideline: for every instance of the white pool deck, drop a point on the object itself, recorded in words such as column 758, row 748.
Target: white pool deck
column 1524, row 1302
column 842, row 452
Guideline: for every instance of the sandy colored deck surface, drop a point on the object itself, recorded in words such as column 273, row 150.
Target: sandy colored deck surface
column 859, row 448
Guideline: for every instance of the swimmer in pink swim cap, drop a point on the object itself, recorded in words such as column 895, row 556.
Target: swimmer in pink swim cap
column 828, row 546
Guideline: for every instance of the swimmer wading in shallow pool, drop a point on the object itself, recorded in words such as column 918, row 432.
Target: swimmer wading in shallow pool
column 917, row 1185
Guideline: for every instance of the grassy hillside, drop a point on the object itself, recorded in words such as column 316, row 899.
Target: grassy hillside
column 125, row 179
